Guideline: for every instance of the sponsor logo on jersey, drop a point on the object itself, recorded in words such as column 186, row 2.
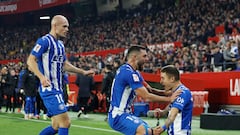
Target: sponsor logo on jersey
column 180, row 100
column 135, row 77
column 37, row 48
column 58, row 59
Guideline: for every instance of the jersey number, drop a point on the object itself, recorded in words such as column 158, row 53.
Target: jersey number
column 59, row 98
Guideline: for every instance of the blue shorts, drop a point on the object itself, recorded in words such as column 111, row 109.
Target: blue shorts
column 53, row 101
column 126, row 123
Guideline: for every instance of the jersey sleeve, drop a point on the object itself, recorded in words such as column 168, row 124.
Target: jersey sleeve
column 133, row 79
column 181, row 101
column 40, row 47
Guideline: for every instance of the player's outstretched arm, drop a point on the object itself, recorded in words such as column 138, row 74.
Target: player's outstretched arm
column 149, row 97
column 69, row 67
column 157, row 91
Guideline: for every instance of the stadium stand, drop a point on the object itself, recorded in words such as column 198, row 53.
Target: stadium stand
column 190, row 23
column 203, row 28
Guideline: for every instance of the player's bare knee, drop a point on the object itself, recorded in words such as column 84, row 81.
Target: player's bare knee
column 55, row 126
column 68, row 124
column 141, row 130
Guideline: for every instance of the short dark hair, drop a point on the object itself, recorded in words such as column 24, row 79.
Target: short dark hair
column 117, row 61
column 171, row 71
column 108, row 66
column 135, row 48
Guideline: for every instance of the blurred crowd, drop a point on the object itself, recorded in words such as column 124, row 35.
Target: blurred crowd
column 190, row 22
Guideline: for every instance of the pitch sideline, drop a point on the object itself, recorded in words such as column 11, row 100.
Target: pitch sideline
column 72, row 125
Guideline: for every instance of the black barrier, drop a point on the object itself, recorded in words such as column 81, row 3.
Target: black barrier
column 220, row 121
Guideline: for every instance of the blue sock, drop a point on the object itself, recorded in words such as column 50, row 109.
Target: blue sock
column 62, row 131
column 48, row 131
column 146, row 128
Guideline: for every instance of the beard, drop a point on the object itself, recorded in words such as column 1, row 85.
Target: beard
column 140, row 66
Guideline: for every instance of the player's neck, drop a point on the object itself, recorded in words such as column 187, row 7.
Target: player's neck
column 132, row 65
column 53, row 35
column 176, row 86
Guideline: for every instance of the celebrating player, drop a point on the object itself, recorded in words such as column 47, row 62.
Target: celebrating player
column 48, row 61
column 179, row 117
column 127, row 84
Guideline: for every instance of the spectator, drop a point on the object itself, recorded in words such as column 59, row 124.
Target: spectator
column 148, row 68
column 86, row 85
column 238, row 65
column 134, row 26
column 217, row 58
column 20, row 96
column 4, row 80
column 11, row 92
column 230, row 60
column 234, row 49
column 107, row 84
column 5, row 85
column 116, row 65
column 30, row 87
column 65, row 87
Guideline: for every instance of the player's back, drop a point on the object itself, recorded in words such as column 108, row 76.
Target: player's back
column 122, row 88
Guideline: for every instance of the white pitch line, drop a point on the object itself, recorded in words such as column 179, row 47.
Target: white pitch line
column 49, row 122
column 99, row 129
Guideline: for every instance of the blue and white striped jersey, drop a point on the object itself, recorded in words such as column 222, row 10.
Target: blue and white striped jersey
column 122, row 93
column 182, row 122
column 51, row 56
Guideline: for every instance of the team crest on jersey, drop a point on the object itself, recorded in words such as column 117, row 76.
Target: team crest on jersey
column 135, row 78
column 37, row 48
column 61, row 106
column 136, row 121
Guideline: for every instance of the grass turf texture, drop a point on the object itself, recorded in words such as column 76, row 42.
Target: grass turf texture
column 14, row 124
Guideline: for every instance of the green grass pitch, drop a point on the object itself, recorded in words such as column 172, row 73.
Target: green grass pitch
column 14, row 124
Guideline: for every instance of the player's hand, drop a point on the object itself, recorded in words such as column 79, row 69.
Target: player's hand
column 45, row 82
column 158, row 113
column 161, row 130
column 175, row 95
column 168, row 92
column 89, row 72
column 157, row 130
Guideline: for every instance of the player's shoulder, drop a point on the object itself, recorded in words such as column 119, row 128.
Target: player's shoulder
column 185, row 90
column 126, row 68
column 43, row 40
